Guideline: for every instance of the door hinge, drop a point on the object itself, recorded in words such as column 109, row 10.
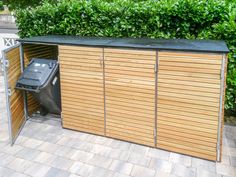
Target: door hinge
column 9, row 92
column 155, row 133
column 155, row 68
column 6, row 63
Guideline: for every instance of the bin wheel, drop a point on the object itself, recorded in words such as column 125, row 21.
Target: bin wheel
column 43, row 111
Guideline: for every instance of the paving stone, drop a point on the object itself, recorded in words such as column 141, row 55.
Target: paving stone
column 19, row 165
column 140, row 171
column 80, row 168
column 139, row 159
column 100, row 172
column 204, row 164
column 20, row 140
column 61, row 163
column 100, row 140
column 11, row 149
column 163, row 174
column 64, row 151
column 233, row 161
column 121, row 167
column 67, row 141
column 205, row 173
column 5, row 159
column 139, row 149
column 82, row 156
column 98, row 149
column 73, row 175
column 16, row 174
column 120, row 175
column 48, row 147
column 54, row 172
column 32, row 143
column 6, row 172
column 27, row 153
column 44, row 157
column 100, row 161
column 84, row 146
column 161, row 165
column 225, row 170
column 157, row 153
column 179, row 158
column 183, row 171
column 37, row 170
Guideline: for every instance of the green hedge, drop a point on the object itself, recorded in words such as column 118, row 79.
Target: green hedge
column 190, row 19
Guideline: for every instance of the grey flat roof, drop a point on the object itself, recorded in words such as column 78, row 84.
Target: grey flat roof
column 143, row 43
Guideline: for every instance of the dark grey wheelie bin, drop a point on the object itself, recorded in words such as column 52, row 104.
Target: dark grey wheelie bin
column 41, row 78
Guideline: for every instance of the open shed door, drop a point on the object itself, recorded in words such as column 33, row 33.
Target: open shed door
column 14, row 98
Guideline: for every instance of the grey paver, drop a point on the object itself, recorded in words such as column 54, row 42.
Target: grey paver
column 82, row 156
column 139, row 149
column 157, row 153
column 100, row 161
column 61, row 163
column 27, row 153
column 204, row 164
column 161, row 165
column 5, row 159
column 120, row 175
column 179, row 158
column 54, row 172
column 37, row 170
column 140, row 171
column 64, row 151
column 233, row 161
column 225, row 170
column 6, row 172
column 121, row 167
column 19, row 165
column 181, row 170
column 48, row 147
column 139, row 159
column 44, row 157
column 80, row 168
column 205, row 173
column 100, row 172
column 16, row 174
column 32, row 143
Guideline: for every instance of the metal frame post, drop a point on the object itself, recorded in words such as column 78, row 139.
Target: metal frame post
column 7, row 97
column 222, row 90
column 155, row 108
column 104, row 90
column 24, row 92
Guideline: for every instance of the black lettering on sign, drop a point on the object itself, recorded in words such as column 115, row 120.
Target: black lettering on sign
column 9, row 41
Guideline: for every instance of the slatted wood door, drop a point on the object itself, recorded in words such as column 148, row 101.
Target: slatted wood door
column 15, row 100
column 37, row 51
column 188, row 102
column 130, row 94
column 82, row 94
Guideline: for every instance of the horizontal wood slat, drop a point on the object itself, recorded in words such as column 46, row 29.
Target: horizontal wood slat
column 37, row 51
column 125, row 88
column 188, row 102
column 82, row 88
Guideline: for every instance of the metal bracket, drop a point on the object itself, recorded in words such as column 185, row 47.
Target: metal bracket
column 155, row 133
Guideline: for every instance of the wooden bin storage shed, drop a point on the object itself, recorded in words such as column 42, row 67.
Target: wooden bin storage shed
column 167, row 94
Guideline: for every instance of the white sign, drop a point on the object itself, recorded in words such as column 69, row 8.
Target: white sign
column 7, row 40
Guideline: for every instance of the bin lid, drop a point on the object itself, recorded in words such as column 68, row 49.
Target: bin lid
column 38, row 72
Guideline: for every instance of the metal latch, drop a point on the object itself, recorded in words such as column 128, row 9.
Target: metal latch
column 9, row 92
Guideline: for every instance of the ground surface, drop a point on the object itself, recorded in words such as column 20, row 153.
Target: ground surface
column 45, row 149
